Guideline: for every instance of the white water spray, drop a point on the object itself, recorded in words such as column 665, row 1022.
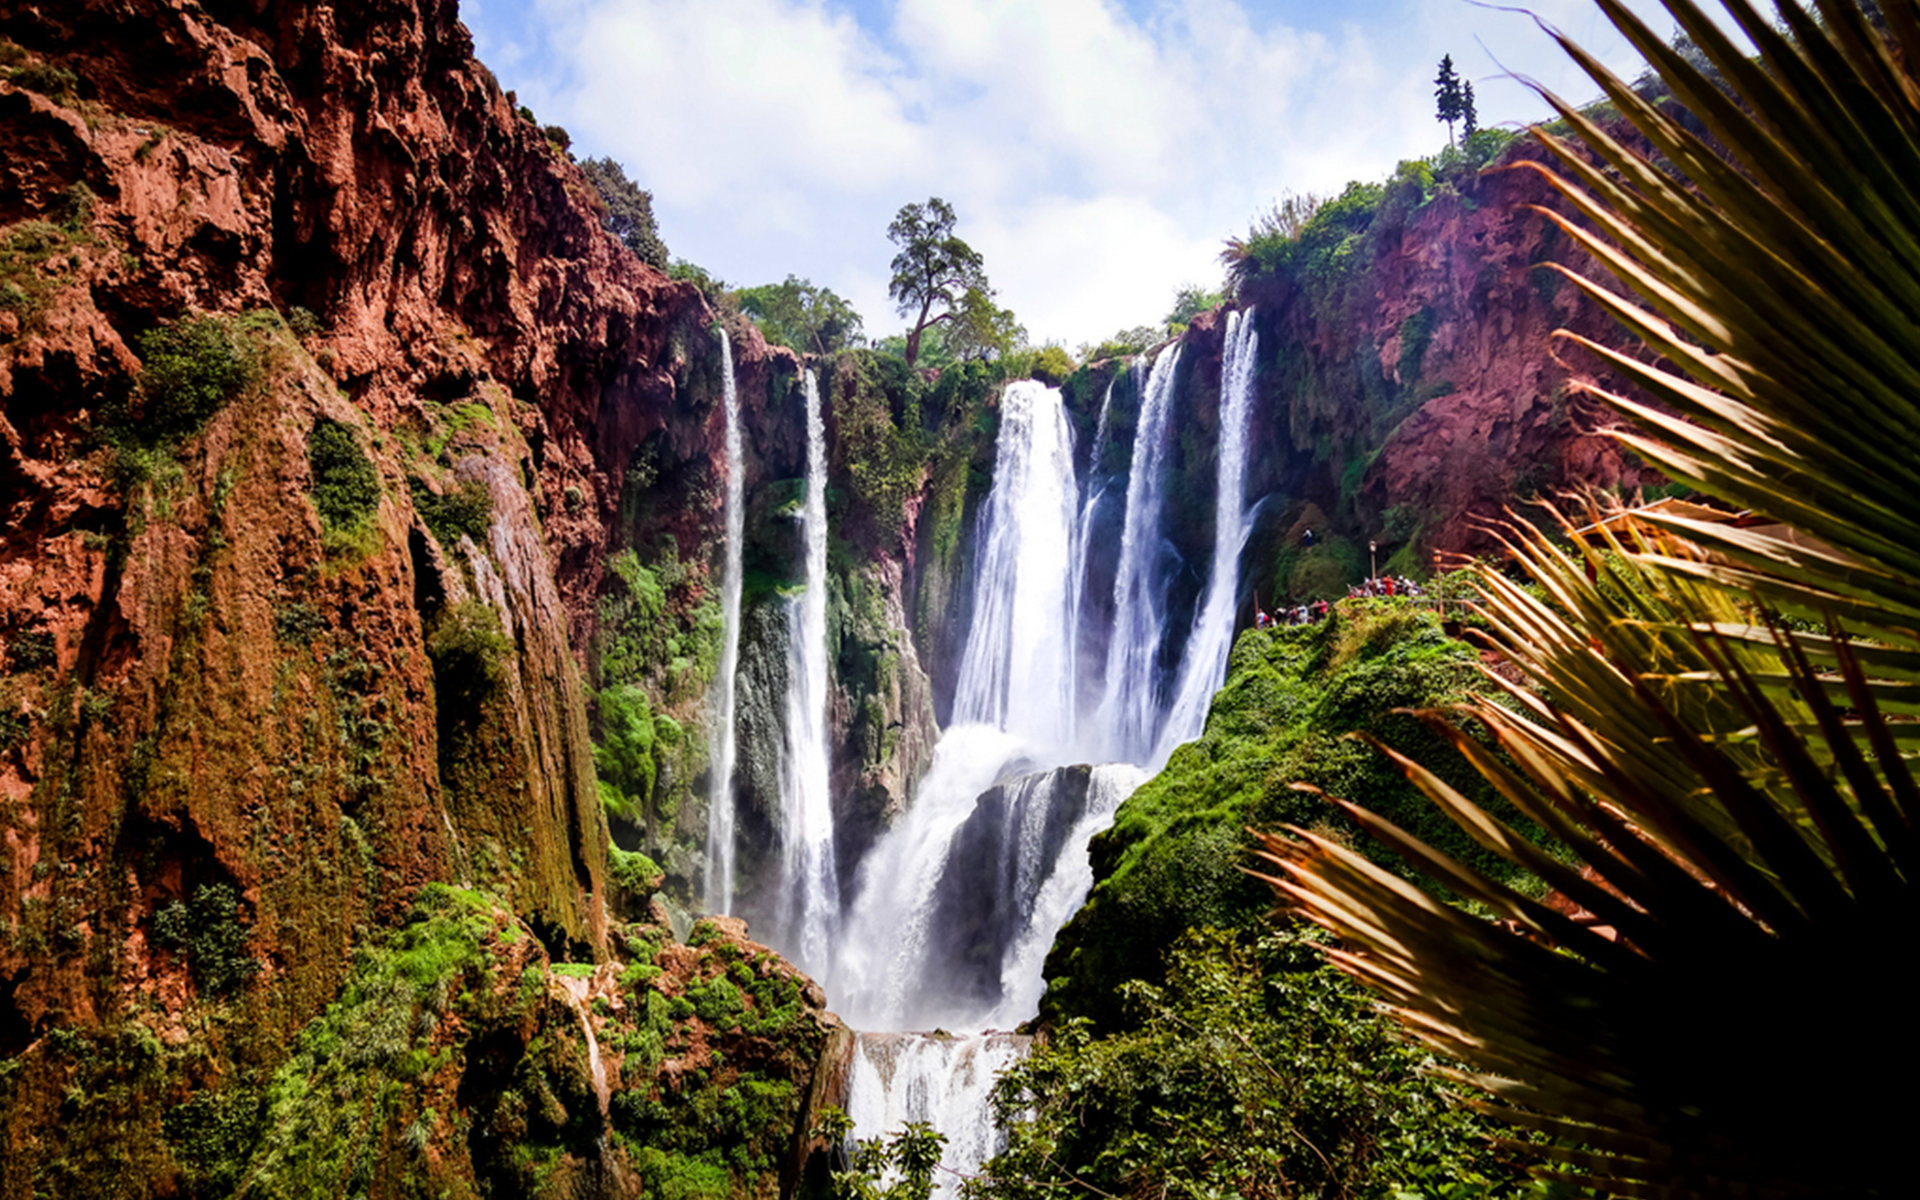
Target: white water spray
column 810, row 886
column 1129, row 702
column 896, row 1078
column 1203, row 667
column 879, row 972
column 1022, row 973
column 720, row 815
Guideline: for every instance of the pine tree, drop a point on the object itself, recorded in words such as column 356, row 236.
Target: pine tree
column 1469, row 119
column 1446, row 90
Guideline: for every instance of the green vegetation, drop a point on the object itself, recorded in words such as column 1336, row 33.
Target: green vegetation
column 207, row 930
column 192, row 368
column 30, row 650
column 802, row 317
column 1454, row 99
column 908, row 1159
column 934, row 270
column 470, row 653
column 330, row 1107
column 634, row 871
column 465, row 510
column 346, row 484
column 1256, row 1069
column 1172, row 860
column 629, row 210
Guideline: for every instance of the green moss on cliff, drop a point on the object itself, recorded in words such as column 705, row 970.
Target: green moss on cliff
column 1174, row 857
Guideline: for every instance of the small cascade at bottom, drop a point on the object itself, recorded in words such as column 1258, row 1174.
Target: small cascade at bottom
column 947, row 1082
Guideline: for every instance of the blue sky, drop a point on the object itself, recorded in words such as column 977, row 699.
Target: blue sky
column 1098, row 151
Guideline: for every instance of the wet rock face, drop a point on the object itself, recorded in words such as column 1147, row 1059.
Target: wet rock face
column 994, row 872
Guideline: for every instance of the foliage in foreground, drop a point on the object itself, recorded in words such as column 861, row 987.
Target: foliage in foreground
column 1725, row 1016
column 1257, row 1071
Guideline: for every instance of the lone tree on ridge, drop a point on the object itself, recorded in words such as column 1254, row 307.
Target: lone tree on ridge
column 1447, row 90
column 934, row 269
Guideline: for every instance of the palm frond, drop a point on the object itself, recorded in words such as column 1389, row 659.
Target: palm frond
column 1722, row 1012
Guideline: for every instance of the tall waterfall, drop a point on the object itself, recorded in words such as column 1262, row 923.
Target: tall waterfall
column 1204, row 665
column 949, row 918
column 810, row 886
column 720, row 815
column 1018, row 669
column 1129, row 701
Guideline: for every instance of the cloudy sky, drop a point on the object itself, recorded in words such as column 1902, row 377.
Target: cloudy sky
column 1098, row 151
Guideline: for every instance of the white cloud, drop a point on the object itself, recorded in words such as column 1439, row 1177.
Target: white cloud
column 1096, row 158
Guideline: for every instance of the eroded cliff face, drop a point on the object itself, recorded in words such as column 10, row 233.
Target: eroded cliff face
column 1414, row 385
column 283, row 648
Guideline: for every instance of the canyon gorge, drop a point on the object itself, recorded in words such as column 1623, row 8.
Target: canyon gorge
column 529, row 735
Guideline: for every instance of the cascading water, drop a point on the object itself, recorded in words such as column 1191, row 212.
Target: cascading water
column 1129, row 702
column 720, row 815
column 896, row 1078
column 1022, row 975
column 948, row 921
column 1018, row 669
column 810, row 886
column 1203, row 667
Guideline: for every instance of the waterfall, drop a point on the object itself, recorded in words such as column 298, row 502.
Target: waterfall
column 1129, row 701
column 955, row 907
column 1204, row 665
column 1021, row 973
column 1017, row 672
column 810, row 891
column 947, row 1082
column 878, row 972
column 720, row 815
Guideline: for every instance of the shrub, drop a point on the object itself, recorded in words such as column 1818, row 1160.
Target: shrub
column 13, row 730
column 55, row 83
column 469, row 652
column 1051, row 365
column 207, row 930
column 466, row 510
column 193, row 367
column 1256, row 1070
column 346, row 484
column 303, row 322
column 30, row 649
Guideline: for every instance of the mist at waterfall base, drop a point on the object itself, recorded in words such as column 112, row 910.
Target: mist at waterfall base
column 948, row 921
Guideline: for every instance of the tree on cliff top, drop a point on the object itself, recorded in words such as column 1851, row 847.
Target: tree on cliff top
column 1446, row 91
column 629, row 210
column 803, row 317
column 934, row 269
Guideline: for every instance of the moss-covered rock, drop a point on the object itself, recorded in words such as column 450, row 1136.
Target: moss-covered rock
column 1174, row 857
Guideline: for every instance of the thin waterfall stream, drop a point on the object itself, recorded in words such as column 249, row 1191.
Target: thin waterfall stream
column 720, row 814
column 810, row 898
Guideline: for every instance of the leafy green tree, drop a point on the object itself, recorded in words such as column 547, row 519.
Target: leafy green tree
column 982, row 331
column 934, row 270
column 896, row 1168
column 1189, row 302
column 800, row 316
column 1447, row 92
column 629, row 210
